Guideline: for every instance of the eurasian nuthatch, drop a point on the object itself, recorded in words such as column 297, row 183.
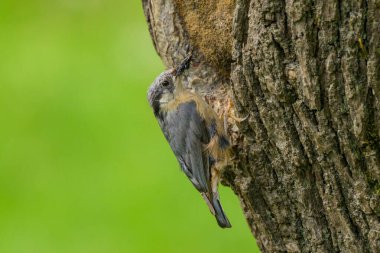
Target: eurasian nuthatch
column 195, row 134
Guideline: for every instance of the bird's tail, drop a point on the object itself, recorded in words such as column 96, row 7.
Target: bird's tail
column 217, row 210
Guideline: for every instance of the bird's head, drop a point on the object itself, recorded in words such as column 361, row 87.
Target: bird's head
column 162, row 90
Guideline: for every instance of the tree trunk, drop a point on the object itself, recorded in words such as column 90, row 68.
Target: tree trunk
column 306, row 74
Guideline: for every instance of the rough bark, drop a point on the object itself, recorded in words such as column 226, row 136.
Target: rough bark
column 306, row 161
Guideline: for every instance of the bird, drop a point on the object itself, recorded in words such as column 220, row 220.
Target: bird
column 195, row 134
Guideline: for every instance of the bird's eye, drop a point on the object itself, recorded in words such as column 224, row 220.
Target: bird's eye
column 165, row 84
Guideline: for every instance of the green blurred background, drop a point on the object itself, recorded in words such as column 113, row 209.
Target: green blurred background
column 84, row 166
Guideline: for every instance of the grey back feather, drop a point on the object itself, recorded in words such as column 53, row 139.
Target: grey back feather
column 187, row 135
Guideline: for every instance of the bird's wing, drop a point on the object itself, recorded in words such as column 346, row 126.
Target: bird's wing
column 187, row 135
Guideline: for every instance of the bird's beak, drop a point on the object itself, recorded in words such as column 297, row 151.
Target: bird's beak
column 185, row 64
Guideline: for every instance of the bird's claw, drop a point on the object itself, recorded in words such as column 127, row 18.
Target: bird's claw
column 227, row 113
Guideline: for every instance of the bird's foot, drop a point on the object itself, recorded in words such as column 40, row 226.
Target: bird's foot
column 229, row 114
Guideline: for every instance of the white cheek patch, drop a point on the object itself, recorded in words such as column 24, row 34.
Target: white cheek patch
column 166, row 97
